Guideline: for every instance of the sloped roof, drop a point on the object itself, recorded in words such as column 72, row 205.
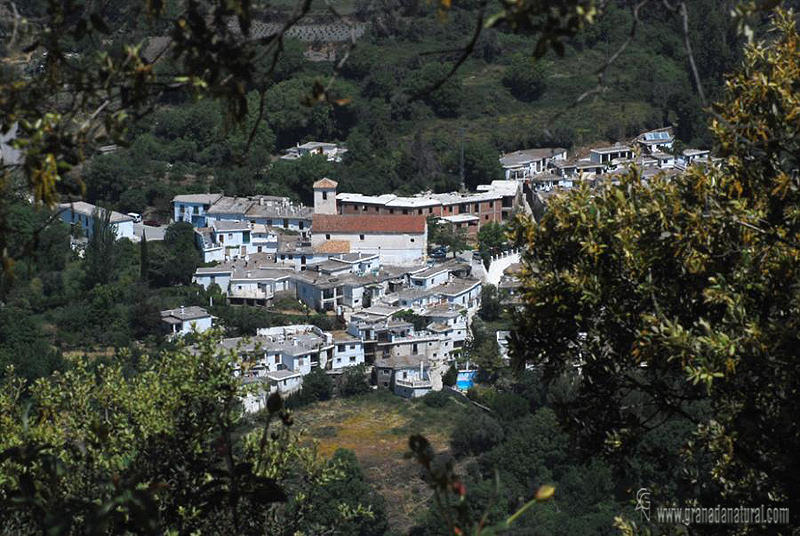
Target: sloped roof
column 375, row 224
column 325, row 183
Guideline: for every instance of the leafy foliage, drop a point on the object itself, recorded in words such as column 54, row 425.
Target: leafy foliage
column 677, row 298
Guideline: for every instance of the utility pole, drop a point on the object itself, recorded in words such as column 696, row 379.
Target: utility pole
column 461, row 171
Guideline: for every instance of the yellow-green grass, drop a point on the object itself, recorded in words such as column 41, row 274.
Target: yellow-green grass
column 376, row 427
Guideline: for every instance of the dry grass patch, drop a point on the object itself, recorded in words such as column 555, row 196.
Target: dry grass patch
column 376, row 427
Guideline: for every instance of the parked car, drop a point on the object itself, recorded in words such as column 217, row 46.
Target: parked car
column 152, row 223
column 137, row 218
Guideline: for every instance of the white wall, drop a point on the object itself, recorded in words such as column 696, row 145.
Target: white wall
column 200, row 325
column 347, row 354
column 398, row 249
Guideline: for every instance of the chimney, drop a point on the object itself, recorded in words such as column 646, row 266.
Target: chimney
column 183, row 309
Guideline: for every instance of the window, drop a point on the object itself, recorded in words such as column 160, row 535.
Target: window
column 327, row 237
column 412, row 240
column 230, row 235
column 301, row 225
column 352, row 346
column 269, row 223
column 477, row 207
column 352, row 359
column 414, row 349
column 361, row 237
column 340, row 348
column 391, row 211
column 420, row 212
column 405, row 211
column 430, row 210
column 325, row 196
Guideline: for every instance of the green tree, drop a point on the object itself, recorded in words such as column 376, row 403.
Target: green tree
column 525, row 77
column 355, row 381
column 144, row 259
column 450, row 378
column 678, row 298
column 481, row 164
column 491, row 307
column 491, row 240
column 453, row 238
column 348, row 503
column 133, row 200
column 475, row 432
column 184, row 257
column 101, row 250
column 317, row 386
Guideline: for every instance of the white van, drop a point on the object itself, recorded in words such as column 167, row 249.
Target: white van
column 137, row 218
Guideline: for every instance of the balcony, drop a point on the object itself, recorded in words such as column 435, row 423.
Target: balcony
column 251, row 294
column 413, row 384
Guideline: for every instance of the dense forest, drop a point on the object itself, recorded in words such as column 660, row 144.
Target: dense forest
column 400, row 140
column 660, row 318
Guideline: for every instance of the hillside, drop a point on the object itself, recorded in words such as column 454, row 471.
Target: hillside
column 402, row 137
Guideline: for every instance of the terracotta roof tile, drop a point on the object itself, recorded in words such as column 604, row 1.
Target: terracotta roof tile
column 325, row 183
column 377, row 224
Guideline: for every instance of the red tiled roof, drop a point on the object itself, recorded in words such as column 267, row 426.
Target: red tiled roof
column 377, row 224
column 325, row 183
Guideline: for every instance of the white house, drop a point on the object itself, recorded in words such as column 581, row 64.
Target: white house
column 81, row 212
column 406, row 376
column 656, row 141
column 192, row 208
column 331, row 151
column 604, row 155
column 522, row 165
column 185, row 320
column 348, row 351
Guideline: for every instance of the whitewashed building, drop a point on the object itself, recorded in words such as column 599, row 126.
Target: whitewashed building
column 192, row 208
column 522, row 165
column 82, row 213
column 185, row 320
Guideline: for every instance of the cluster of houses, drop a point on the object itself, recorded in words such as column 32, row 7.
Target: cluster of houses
column 406, row 357
column 364, row 259
column 391, row 227
column 652, row 152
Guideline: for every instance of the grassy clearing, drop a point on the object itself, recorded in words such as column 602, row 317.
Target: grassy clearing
column 376, row 427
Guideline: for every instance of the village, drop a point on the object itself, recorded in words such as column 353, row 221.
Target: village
column 406, row 304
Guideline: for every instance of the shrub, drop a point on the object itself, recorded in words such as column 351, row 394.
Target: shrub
column 525, row 78
column 436, row 399
column 354, row 381
column 450, row 377
column 475, row 432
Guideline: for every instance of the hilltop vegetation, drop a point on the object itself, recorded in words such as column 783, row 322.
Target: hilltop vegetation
column 402, row 138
